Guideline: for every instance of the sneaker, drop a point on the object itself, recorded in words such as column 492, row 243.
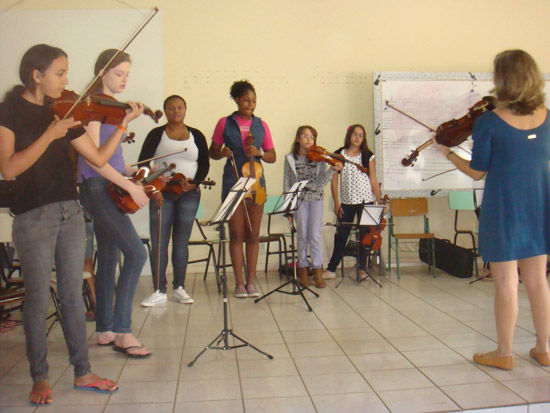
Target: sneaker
column 182, row 297
column 328, row 275
column 156, row 298
column 251, row 290
column 240, row 291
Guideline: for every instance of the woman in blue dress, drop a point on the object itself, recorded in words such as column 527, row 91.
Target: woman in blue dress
column 512, row 149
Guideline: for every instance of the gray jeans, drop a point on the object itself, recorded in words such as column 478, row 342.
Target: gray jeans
column 42, row 236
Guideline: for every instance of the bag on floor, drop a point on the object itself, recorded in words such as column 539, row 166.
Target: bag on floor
column 451, row 258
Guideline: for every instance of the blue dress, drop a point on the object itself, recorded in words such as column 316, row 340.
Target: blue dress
column 515, row 213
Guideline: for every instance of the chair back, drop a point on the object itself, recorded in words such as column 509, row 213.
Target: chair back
column 200, row 211
column 408, row 207
column 6, row 222
column 462, row 200
column 270, row 204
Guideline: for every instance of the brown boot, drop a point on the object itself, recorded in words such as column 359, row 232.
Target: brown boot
column 318, row 277
column 303, row 276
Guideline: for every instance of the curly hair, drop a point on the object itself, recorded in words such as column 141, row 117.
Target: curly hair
column 240, row 87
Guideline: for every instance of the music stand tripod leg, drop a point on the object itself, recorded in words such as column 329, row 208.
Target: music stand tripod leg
column 297, row 287
column 232, row 202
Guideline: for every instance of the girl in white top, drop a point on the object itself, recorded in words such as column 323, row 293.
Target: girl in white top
column 358, row 188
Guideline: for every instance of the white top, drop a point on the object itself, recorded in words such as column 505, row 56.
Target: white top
column 355, row 185
column 186, row 162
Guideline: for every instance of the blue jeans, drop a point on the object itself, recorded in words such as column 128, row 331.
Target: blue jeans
column 53, row 232
column 114, row 232
column 177, row 216
column 342, row 234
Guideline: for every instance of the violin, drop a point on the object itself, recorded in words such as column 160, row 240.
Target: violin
column 152, row 185
column 454, row 131
column 254, row 170
column 99, row 107
column 373, row 237
column 319, row 154
column 176, row 183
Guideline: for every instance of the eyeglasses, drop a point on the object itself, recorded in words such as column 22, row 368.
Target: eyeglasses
column 307, row 137
column 359, row 135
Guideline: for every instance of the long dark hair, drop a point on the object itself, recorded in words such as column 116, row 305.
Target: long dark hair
column 39, row 57
column 347, row 142
column 295, row 149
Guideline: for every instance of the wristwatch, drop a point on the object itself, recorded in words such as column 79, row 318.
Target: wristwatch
column 261, row 153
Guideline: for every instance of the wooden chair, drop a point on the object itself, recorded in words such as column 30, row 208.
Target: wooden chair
column 404, row 208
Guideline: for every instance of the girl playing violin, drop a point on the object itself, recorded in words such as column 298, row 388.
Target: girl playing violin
column 512, row 148
column 178, row 210
column 358, row 189
column 309, row 215
column 49, row 226
column 113, row 229
column 233, row 131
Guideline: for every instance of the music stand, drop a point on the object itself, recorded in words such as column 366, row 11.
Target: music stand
column 478, row 198
column 289, row 205
column 371, row 215
column 223, row 215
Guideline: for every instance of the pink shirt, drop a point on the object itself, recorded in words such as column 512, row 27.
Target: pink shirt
column 244, row 126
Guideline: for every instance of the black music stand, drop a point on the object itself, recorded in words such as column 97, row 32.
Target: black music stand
column 224, row 213
column 371, row 215
column 478, row 197
column 289, row 205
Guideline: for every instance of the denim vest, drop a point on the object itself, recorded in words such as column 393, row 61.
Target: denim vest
column 232, row 138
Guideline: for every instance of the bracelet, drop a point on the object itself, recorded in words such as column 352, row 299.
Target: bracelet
column 121, row 128
column 449, row 154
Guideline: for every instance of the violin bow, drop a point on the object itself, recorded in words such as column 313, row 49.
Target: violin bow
column 92, row 85
column 158, row 157
column 388, row 104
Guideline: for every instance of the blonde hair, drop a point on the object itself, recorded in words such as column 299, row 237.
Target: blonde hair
column 519, row 85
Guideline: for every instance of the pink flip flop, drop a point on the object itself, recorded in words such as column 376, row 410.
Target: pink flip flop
column 95, row 387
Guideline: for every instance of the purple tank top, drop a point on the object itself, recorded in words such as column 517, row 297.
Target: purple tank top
column 85, row 171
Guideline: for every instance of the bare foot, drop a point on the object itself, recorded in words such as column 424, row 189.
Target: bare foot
column 41, row 393
column 105, row 338
column 99, row 383
column 128, row 340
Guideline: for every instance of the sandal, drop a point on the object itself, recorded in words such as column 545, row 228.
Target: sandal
column 124, row 350
column 95, row 387
column 44, row 395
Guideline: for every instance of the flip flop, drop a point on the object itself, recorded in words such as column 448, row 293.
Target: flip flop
column 124, row 350
column 43, row 394
column 110, row 343
column 95, row 387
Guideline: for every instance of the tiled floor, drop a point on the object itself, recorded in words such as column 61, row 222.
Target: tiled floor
column 403, row 348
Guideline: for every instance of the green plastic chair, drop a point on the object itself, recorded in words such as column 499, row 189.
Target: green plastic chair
column 464, row 201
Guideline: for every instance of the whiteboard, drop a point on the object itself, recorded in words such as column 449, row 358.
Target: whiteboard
column 431, row 98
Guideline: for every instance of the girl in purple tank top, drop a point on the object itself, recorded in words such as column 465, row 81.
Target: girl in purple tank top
column 113, row 229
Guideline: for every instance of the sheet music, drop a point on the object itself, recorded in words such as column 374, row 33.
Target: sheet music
column 372, row 215
column 292, row 196
column 235, row 196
